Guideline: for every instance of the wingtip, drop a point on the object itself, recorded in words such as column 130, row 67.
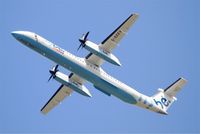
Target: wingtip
column 135, row 14
column 44, row 113
column 182, row 78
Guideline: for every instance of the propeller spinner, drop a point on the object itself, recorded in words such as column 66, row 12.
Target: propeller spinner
column 53, row 72
column 82, row 40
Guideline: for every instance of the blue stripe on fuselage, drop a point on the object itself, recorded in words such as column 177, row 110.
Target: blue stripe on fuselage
column 80, row 70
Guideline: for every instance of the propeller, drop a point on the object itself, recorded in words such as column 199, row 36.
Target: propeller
column 53, row 72
column 82, row 40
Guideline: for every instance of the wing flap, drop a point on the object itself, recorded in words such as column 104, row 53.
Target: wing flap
column 76, row 78
column 92, row 58
column 58, row 96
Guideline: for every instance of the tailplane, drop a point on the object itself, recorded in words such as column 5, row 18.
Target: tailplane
column 164, row 98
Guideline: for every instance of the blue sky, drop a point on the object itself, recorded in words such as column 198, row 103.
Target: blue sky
column 162, row 46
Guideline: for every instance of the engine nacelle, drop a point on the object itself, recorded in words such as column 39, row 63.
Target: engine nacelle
column 94, row 48
column 64, row 79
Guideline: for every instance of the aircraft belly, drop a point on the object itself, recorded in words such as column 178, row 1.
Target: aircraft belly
column 102, row 84
column 109, row 88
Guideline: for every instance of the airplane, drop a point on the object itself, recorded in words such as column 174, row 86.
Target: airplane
column 89, row 69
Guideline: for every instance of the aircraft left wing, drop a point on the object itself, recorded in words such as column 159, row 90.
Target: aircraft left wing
column 112, row 40
column 58, row 96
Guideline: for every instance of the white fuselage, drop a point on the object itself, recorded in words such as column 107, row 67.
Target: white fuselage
column 96, row 75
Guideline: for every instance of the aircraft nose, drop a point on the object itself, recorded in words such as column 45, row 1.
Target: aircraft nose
column 20, row 34
column 16, row 33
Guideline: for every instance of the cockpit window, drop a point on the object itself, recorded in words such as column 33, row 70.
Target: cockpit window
column 36, row 38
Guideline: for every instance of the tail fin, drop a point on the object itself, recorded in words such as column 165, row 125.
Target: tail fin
column 164, row 98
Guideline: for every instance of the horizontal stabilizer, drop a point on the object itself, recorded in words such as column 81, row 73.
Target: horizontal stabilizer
column 175, row 87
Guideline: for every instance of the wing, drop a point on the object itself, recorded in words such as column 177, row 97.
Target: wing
column 58, row 96
column 113, row 39
column 62, row 92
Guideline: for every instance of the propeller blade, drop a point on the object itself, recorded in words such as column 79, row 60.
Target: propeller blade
column 56, row 68
column 53, row 72
column 79, row 46
column 85, row 38
column 50, row 77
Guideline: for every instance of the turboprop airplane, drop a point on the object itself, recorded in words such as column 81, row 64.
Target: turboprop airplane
column 89, row 69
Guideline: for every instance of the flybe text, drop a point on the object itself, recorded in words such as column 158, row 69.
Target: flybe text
column 162, row 102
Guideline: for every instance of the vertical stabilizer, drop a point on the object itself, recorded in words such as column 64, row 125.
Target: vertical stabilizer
column 164, row 98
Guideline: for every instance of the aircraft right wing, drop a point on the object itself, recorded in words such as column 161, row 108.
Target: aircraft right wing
column 62, row 92
column 75, row 78
column 58, row 96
